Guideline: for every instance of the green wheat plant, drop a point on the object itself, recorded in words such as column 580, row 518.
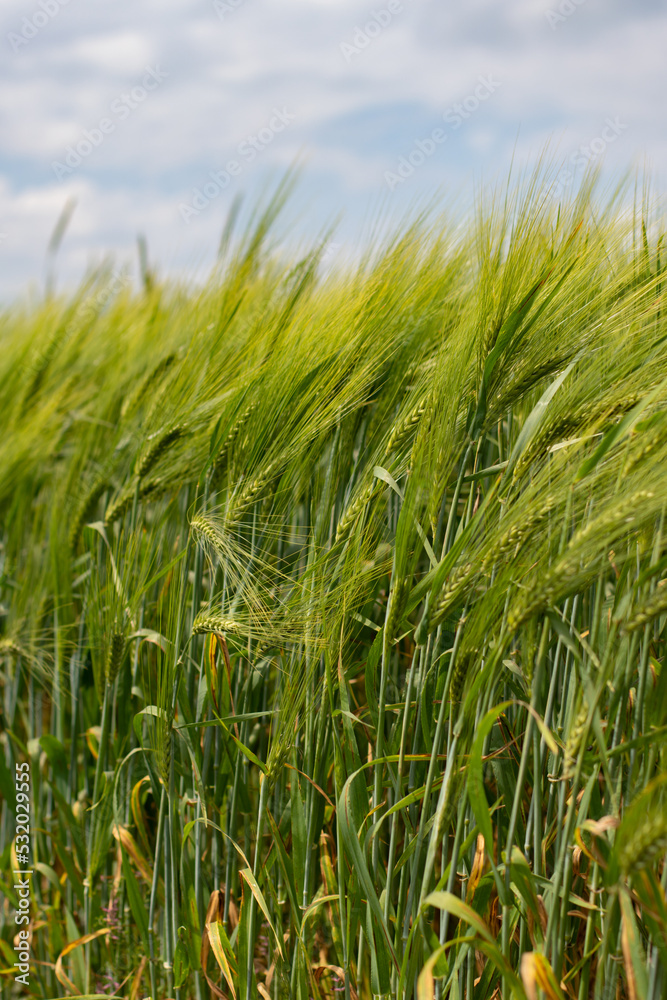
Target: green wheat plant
column 333, row 611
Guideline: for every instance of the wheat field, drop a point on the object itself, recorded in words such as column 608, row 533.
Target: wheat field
column 333, row 616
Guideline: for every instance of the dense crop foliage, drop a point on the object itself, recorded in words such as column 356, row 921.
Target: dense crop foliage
column 333, row 619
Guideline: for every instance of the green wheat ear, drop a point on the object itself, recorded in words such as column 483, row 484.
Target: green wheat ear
column 8, row 647
column 354, row 510
column 150, row 380
column 575, row 741
column 403, row 430
column 146, row 489
column 159, row 446
column 204, row 624
column 652, row 608
column 116, row 652
column 85, row 509
column 255, row 488
column 647, row 843
column 232, row 437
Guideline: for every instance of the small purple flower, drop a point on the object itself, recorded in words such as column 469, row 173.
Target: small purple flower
column 111, row 918
column 108, row 984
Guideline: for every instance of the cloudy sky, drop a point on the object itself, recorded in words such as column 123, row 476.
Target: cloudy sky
column 154, row 114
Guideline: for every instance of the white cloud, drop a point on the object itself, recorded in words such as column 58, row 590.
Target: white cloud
column 119, row 52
